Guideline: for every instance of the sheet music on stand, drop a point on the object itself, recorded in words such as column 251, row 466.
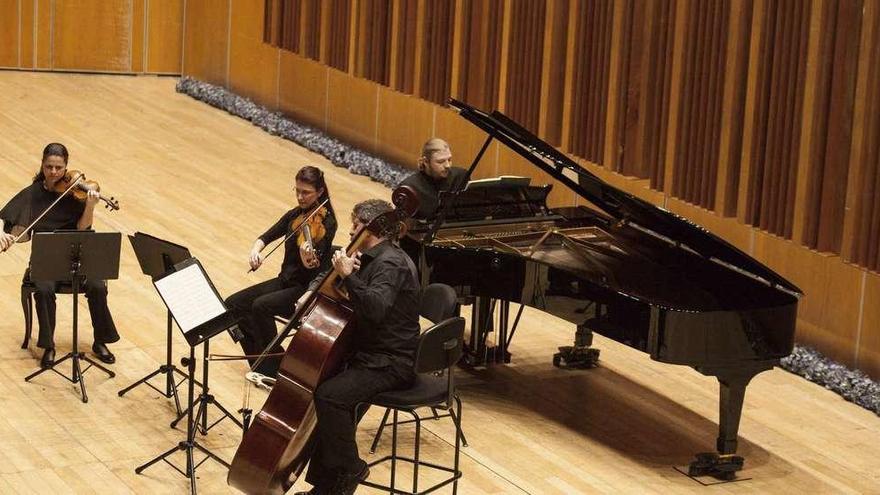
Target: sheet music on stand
column 194, row 302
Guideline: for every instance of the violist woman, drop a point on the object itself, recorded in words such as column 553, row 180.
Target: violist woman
column 257, row 305
column 69, row 213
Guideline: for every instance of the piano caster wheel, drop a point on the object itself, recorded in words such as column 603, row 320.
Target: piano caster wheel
column 576, row 357
column 718, row 466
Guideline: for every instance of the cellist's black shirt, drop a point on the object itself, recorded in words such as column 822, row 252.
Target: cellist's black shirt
column 385, row 296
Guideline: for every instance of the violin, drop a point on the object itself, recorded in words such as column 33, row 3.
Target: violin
column 73, row 182
column 276, row 447
column 81, row 190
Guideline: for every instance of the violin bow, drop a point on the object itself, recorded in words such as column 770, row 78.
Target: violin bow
column 73, row 184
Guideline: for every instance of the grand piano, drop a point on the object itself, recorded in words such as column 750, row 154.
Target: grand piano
column 621, row 267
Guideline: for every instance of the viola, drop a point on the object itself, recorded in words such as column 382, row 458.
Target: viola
column 305, row 228
column 81, row 190
column 312, row 230
column 277, row 445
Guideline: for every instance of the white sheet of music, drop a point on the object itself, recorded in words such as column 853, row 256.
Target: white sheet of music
column 190, row 297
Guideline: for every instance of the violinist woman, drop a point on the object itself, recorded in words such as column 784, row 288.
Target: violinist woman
column 255, row 306
column 69, row 213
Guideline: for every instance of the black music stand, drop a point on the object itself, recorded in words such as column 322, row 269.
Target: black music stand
column 74, row 256
column 158, row 257
column 200, row 314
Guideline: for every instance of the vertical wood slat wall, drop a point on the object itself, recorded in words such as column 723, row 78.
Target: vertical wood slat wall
column 125, row 36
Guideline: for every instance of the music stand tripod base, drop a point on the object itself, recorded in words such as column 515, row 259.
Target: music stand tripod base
column 156, row 258
column 204, row 400
column 76, row 371
column 89, row 255
column 188, row 446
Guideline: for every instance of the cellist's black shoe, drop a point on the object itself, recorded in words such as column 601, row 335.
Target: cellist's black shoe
column 314, row 491
column 348, row 482
column 103, row 354
column 48, row 358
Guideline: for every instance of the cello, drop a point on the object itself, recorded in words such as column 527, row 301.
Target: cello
column 275, row 448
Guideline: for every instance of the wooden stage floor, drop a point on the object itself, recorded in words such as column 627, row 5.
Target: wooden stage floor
column 194, row 175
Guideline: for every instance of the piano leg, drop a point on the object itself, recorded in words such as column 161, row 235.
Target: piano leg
column 733, row 391
column 724, row 463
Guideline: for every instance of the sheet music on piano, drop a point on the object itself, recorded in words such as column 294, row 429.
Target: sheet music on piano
column 500, row 181
column 190, row 296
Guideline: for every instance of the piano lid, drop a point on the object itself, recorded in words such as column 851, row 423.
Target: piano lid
column 620, row 205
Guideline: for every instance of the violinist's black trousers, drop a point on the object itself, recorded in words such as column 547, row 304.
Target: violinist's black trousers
column 255, row 307
column 96, row 294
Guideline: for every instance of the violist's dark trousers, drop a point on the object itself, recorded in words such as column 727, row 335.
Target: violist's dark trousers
column 256, row 307
column 96, row 294
column 336, row 399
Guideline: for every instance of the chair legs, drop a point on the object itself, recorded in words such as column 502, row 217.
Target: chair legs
column 415, row 460
column 385, row 423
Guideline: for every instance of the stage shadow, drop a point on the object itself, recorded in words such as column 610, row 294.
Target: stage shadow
column 604, row 407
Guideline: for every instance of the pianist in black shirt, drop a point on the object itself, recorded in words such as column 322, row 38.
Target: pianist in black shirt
column 435, row 174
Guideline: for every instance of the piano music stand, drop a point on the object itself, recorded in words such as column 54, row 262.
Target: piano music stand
column 156, row 258
column 199, row 334
column 75, row 256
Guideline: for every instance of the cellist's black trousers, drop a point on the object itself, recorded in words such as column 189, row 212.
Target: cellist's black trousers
column 336, row 452
column 96, row 294
column 256, row 307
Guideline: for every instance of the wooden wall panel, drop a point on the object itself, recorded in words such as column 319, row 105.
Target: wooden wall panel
column 828, row 316
column 552, row 87
column 646, row 81
column 479, row 77
column 699, row 121
column 92, row 35
column 302, row 89
column 770, row 185
column 828, row 168
column 10, row 24
column 862, row 220
column 406, row 42
column 43, row 15
column 405, row 123
column 206, row 40
column 868, row 357
column 138, row 35
column 28, row 57
column 127, row 36
column 373, row 41
column 253, row 65
column 522, row 98
column 164, row 36
column 592, row 52
column 351, row 110
column 436, row 41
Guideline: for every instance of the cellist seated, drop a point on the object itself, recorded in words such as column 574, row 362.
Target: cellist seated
column 384, row 293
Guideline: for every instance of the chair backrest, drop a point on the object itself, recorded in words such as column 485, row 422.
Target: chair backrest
column 438, row 302
column 440, row 346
